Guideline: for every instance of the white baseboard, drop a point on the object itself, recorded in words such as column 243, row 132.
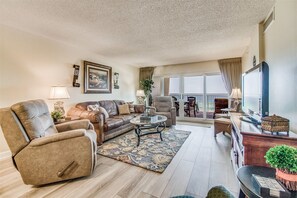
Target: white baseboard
column 5, row 154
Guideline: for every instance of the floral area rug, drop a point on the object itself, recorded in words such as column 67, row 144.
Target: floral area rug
column 152, row 153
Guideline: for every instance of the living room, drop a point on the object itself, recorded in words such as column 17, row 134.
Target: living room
column 41, row 41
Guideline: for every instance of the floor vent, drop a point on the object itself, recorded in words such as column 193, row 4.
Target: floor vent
column 269, row 20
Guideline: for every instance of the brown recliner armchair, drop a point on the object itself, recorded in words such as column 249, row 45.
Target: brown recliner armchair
column 163, row 105
column 42, row 152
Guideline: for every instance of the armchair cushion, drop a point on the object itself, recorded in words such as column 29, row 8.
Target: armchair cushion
column 35, row 118
column 167, row 114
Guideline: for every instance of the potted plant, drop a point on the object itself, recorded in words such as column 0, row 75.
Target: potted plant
column 284, row 159
column 147, row 86
column 56, row 115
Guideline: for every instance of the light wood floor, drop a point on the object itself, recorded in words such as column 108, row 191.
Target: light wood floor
column 201, row 163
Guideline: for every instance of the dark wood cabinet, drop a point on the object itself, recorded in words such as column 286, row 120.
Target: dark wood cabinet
column 250, row 144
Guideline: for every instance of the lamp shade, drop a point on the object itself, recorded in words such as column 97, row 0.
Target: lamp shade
column 59, row 92
column 140, row 93
column 236, row 93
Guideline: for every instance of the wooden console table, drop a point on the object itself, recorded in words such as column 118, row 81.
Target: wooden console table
column 249, row 144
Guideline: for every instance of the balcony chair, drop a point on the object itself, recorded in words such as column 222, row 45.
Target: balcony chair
column 220, row 103
column 163, row 105
column 176, row 104
column 43, row 152
column 191, row 106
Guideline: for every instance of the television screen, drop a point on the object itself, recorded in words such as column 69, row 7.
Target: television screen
column 255, row 92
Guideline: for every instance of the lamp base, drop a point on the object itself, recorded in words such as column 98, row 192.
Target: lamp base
column 140, row 100
column 59, row 106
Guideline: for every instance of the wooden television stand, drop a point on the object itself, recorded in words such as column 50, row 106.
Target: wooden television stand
column 250, row 144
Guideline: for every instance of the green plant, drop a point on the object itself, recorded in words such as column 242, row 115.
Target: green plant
column 56, row 115
column 282, row 157
column 147, row 86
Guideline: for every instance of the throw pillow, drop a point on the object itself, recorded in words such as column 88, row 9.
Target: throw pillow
column 102, row 110
column 124, row 109
column 94, row 107
column 131, row 107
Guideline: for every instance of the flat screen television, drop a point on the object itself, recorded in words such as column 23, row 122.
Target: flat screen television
column 255, row 92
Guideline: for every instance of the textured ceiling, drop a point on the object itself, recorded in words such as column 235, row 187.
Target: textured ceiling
column 143, row 32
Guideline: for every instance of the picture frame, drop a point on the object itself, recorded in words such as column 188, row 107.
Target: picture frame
column 116, row 80
column 97, row 78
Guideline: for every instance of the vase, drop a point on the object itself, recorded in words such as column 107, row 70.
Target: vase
column 289, row 180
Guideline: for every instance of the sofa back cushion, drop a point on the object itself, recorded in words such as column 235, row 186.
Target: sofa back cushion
column 110, row 106
column 84, row 105
column 35, row 118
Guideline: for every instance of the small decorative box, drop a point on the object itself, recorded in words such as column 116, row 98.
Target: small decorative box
column 269, row 187
column 275, row 124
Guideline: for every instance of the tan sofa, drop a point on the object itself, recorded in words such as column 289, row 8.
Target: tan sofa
column 43, row 152
column 106, row 128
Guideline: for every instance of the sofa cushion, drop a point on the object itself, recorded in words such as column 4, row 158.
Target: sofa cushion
column 94, row 107
column 126, row 118
column 112, row 123
column 84, row 105
column 123, row 109
column 131, row 107
column 110, row 106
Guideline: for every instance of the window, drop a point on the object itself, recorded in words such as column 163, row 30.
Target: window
column 215, row 88
column 174, row 87
column 193, row 85
column 204, row 88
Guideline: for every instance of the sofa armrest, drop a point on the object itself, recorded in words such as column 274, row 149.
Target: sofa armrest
column 93, row 116
column 77, row 124
column 57, row 137
column 139, row 108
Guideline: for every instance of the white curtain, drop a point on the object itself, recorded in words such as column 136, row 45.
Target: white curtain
column 231, row 71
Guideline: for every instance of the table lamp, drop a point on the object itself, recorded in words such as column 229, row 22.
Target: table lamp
column 236, row 95
column 140, row 96
column 58, row 93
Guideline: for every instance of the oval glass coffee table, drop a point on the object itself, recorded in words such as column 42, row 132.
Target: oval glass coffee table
column 142, row 124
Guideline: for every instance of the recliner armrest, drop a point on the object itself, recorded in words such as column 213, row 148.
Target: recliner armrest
column 76, row 124
column 57, row 137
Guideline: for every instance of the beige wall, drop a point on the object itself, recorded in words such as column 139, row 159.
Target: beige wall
column 255, row 48
column 280, row 47
column 31, row 64
column 188, row 68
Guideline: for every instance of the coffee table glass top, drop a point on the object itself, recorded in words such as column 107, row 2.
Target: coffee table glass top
column 153, row 120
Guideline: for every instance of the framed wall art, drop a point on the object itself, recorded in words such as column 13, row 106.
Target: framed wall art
column 97, row 78
column 116, row 80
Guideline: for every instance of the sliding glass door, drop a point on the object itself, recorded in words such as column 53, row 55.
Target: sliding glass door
column 194, row 95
